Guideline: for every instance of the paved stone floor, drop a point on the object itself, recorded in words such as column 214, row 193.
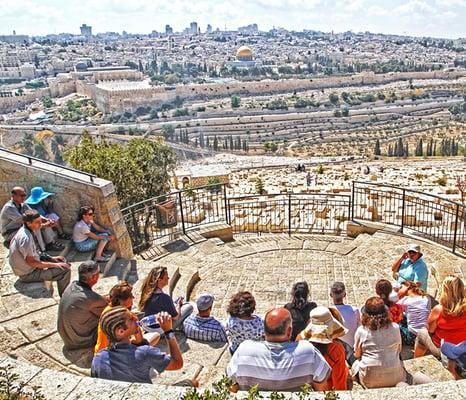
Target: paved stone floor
column 266, row 265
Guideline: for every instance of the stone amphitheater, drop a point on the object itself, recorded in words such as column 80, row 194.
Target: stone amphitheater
column 267, row 265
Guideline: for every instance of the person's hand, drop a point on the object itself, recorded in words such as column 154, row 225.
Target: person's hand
column 47, row 223
column 165, row 321
column 62, row 265
column 111, row 238
column 59, row 259
column 405, row 255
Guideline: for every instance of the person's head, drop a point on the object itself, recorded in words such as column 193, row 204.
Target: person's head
column 323, row 326
column 18, row 194
column 86, row 213
column 414, row 252
column 338, row 292
column 88, row 273
column 383, row 288
column 242, row 305
column 409, row 288
column 452, row 296
column 278, row 325
column 32, row 220
column 121, row 295
column 375, row 314
column 157, row 278
column 204, row 304
column 299, row 294
column 118, row 324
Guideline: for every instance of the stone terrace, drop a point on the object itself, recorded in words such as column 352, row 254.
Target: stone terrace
column 267, row 265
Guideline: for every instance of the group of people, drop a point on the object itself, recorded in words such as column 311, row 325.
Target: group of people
column 30, row 227
column 297, row 344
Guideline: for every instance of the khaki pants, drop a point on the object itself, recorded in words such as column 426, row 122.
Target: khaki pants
column 424, row 339
column 61, row 276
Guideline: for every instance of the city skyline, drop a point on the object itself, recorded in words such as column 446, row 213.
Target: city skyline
column 435, row 18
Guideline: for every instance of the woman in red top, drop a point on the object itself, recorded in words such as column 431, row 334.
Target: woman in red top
column 323, row 330
column 447, row 320
column 384, row 288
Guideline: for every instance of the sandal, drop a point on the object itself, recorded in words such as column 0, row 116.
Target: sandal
column 55, row 246
column 101, row 259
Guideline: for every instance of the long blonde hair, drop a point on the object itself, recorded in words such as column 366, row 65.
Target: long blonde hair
column 149, row 285
column 453, row 296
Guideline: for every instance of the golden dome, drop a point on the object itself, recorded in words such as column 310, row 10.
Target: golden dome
column 244, row 51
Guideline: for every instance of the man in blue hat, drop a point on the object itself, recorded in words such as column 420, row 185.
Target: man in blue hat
column 11, row 220
column 42, row 201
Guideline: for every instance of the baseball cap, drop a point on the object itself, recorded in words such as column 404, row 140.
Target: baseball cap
column 414, row 247
column 205, row 301
column 453, row 351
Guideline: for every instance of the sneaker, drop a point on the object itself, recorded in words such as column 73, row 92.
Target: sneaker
column 101, row 259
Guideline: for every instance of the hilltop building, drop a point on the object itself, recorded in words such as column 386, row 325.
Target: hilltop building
column 244, row 59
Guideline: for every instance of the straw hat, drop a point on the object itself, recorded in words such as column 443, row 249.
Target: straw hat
column 323, row 326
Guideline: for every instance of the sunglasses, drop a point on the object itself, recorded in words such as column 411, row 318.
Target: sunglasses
column 91, row 213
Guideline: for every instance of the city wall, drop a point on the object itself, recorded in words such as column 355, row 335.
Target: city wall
column 73, row 190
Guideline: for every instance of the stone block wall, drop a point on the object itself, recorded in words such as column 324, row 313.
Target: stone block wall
column 73, row 190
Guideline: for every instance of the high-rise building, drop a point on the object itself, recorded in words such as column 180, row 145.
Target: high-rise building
column 168, row 30
column 193, row 28
column 86, row 30
column 209, row 28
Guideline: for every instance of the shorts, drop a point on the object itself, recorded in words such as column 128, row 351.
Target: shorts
column 89, row 244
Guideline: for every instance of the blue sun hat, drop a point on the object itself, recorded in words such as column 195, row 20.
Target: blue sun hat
column 37, row 195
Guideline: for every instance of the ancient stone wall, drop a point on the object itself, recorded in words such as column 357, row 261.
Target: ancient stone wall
column 73, row 190
column 9, row 104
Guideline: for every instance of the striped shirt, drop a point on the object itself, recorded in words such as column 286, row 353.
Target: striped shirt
column 277, row 366
column 205, row 329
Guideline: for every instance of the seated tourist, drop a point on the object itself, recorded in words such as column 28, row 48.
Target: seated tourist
column 203, row 326
column 350, row 315
column 29, row 263
column 130, row 362
column 411, row 267
column 416, row 306
column 384, row 290
column 322, row 331
column 278, row 364
column 377, row 346
column 80, row 309
column 88, row 235
column 243, row 324
column 456, row 356
column 446, row 321
column 121, row 295
column 42, row 201
column 154, row 300
column 300, row 307
column 11, row 219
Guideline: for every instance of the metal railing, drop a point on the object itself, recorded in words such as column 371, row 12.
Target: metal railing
column 151, row 221
column 426, row 215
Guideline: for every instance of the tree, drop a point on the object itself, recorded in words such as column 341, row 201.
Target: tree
column 215, row 143
column 345, row 112
column 168, row 132
column 333, row 97
column 270, row 147
column 419, row 148
column 235, row 101
column 139, row 170
column 260, row 186
column 47, row 102
column 377, row 148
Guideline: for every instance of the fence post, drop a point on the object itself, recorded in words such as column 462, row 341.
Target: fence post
column 403, row 210
column 289, row 214
column 352, row 202
column 456, row 226
column 181, row 212
column 225, row 201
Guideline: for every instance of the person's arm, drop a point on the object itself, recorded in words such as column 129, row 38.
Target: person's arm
column 433, row 318
column 357, row 344
column 92, row 235
column 397, row 264
column 97, row 305
column 32, row 262
column 176, row 362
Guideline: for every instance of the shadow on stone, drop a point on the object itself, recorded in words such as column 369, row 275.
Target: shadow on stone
column 82, row 358
column 176, row 246
column 35, row 290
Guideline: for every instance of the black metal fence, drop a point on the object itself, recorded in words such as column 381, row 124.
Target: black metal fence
column 152, row 221
column 426, row 215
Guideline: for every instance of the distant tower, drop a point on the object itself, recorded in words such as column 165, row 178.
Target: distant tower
column 168, row 30
column 86, row 30
column 209, row 28
column 193, row 28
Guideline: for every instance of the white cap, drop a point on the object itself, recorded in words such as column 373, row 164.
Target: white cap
column 414, row 247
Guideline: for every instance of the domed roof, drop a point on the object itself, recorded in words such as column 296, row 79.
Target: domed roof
column 244, row 51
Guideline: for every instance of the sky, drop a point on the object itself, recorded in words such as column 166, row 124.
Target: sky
column 437, row 18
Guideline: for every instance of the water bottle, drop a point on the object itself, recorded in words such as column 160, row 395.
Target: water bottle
column 150, row 324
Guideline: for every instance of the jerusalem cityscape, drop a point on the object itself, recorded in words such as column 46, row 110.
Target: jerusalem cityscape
column 233, row 200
